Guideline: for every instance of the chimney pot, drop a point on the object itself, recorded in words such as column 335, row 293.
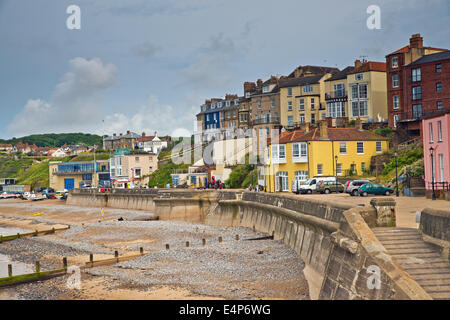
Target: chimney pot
column 416, row 41
column 357, row 63
column 143, row 133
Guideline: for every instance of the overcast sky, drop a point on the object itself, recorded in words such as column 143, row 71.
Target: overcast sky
column 149, row 64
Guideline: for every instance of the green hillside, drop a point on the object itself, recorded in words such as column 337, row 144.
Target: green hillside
column 57, row 139
column 10, row 168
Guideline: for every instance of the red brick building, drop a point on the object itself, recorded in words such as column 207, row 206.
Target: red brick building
column 400, row 83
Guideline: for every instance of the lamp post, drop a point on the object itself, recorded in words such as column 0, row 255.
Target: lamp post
column 336, row 159
column 433, row 197
column 396, row 174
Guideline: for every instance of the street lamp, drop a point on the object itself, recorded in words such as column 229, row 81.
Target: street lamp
column 336, row 159
column 433, row 197
column 396, row 174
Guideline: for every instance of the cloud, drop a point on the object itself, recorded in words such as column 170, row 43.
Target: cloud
column 75, row 101
column 146, row 49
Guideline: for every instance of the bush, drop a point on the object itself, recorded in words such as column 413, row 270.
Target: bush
column 405, row 159
column 238, row 176
column 385, row 132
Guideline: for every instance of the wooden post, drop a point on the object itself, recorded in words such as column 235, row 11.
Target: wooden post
column 1, row 238
column 220, row 239
column 141, row 250
column 18, row 235
column 187, row 244
column 38, row 267
column 237, row 237
column 116, row 254
column 53, row 230
column 36, row 233
column 204, row 242
column 65, row 263
column 91, row 258
column 10, row 270
column 167, row 246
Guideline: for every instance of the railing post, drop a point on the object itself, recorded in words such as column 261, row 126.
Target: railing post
column 65, row 263
column 38, row 267
column 10, row 271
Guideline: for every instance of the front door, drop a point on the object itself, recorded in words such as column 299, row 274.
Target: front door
column 69, row 184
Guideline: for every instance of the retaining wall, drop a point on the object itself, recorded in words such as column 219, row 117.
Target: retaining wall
column 435, row 228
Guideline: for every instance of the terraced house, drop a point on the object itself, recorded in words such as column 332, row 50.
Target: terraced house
column 322, row 151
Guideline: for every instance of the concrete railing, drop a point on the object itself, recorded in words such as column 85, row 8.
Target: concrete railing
column 335, row 241
column 435, row 228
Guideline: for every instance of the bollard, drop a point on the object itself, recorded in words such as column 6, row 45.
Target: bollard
column 254, row 229
column 237, row 237
column 167, row 246
column 116, row 254
column 38, row 267
column 18, row 235
column 187, row 244
column 91, row 258
column 1, row 238
column 141, row 250
column 53, row 230
column 10, row 270
column 204, row 242
column 220, row 239
column 35, row 233
column 65, row 263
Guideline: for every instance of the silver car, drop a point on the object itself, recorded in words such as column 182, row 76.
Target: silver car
column 352, row 187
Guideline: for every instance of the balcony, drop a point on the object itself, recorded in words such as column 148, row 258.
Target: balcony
column 271, row 120
column 419, row 114
column 336, row 95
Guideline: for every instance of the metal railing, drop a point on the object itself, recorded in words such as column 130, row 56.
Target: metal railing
column 443, row 185
column 336, row 94
column 416, row 115
column 271, row 120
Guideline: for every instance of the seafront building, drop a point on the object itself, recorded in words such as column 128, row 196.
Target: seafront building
column 71, row 175
column 132, row 170
column 321, row 151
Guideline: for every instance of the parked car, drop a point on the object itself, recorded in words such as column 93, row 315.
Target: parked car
column 373, row 188
column 352, row 186
column 310, row 185
column 329, row 187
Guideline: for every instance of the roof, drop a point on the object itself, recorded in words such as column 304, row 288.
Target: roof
column 146, row 138
column 434, row 57
column 407, row 48
column 301, row 81
column 334, row 134
column 341, row 74
column 314, row 70
column 370, row 66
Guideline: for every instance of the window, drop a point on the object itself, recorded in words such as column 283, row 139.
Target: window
column 439, row 86
column 355, row 92
column 441, row 166
column 313, row 103
column 430, row 127
column 395, row 120
column 323, row 116
column 289, row 92
column 416, row 75
column 301, row 175
column 439, row 68
column 313, row 118
column 358, row 76
column 339, row 90
column 360, row 108
column 247, row 94
column 295, row 150
column 274, row 152
column 302, row 104
column 272, row 102
column 136, row 159
column 228, row 103
column 379, row 147
column 343, row 148
column 360, row 147
column 236, row 102
column 289, row 105
column 339, row 168
column 363, row 91
column 396, row 102
column 137, row 172
column 282, row 181
column 319, row 169
column 395, row 62
column 417, row 93
column 439, row 105
column 417, row 110
column 363, row 167
column 243, row 107
column 395, row 81
column 266, row 89
column 299, row 150
column 282, row 152
column 259, row 104
column 303, row 150
column 290, row 121
column 308, row 88
column 439, row 131
column 302, row 118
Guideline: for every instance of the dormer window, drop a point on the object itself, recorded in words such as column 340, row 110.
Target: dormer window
column 358, row 76
column 395, row 62
column 213, row 106
column 228, row 103
column 247, row 94
column 265, row 89
column 236, row 102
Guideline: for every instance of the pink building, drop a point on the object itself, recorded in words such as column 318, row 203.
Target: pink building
column 436, row 135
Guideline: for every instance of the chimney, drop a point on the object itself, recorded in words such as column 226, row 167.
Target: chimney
column 143, row 133
column 128, row 131
column 357, row 63
column 249, row 86
column 306, row 127
column 323, row 129
column 416, row 41
column 114, row 134
column 259, row 82
column 120, row 134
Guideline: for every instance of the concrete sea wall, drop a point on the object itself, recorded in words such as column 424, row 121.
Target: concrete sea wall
column 341, row 253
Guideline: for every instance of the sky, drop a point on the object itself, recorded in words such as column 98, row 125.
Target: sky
column 148, row 65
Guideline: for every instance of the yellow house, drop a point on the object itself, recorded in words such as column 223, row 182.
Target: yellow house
column 302, row 100
column 321, row 151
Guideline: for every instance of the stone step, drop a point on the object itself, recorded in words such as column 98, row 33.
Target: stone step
column 424, row 282
column 411, row 251
column 390, row 246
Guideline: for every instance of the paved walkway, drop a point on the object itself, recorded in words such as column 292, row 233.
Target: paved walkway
column 421, row 260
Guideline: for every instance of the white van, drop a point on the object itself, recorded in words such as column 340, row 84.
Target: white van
column 310, row 185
